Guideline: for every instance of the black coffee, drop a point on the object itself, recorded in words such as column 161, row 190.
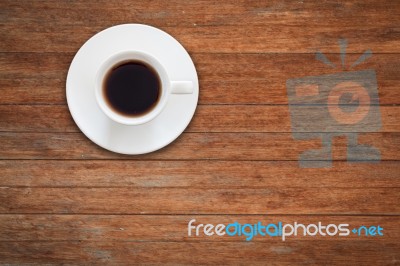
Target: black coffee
column 132, row 88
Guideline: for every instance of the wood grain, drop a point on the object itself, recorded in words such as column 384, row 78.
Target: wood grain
column 381, row 201
column 193, row 146
column 222, row 118
column 369, row 252
column 39, row 78
column 276, row 38
column 195, row 174
column 127, row 228
column 183, row 13
column 64, row 200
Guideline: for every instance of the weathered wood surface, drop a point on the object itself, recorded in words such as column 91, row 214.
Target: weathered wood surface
column 64, row 200
column 193, row 146
column 270, row 32
column 195, row 174
column 201, row 201
column 368, row 252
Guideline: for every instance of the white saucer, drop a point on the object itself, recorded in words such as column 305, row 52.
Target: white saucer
column 103, row 131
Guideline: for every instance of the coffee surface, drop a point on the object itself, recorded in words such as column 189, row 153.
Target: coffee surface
column 132, row 88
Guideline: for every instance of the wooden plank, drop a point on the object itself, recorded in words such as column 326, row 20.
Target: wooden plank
column 181, row 13
column 208, row 118
column 175, row 227
column 189, row 146
column 268, row 30
column 220, row 39
column 200, row 201
column 195, row 174
column 369, row 252
column 39, row 78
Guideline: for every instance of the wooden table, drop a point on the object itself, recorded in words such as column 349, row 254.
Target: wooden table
column 65, row 200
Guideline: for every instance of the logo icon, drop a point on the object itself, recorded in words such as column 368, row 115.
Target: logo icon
column 341, row 104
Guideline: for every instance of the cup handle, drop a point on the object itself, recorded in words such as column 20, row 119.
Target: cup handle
column 181, row 87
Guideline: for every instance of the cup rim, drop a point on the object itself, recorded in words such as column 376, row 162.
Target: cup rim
column 117, row 58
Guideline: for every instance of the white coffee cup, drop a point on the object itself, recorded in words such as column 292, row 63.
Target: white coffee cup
column 167, row 87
